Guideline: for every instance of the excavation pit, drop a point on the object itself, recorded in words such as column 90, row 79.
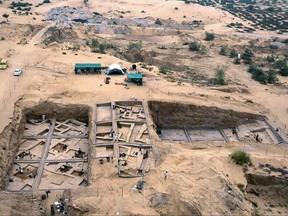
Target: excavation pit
column 53, row 148
column 176, row 122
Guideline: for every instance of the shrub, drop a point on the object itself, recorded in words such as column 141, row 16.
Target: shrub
column 134, row 46
column 240, row 157
column 209, row 36
column 252, row 68
column 233, row 53
column 259, row 76
column 194, row 46
column 284, row 71
column 46, row 1
column 1, row 2
column 219, row 78
column 271, row 58
column 247, row 56
column 223, row 50
column 281, row 63
column 158, row 22
column 241, row 187
column 237, row 61
column 271, row 77
column 164, row 69
column 94, row 44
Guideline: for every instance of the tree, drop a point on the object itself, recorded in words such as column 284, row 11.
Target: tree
column 85, row 2
column 5, row 16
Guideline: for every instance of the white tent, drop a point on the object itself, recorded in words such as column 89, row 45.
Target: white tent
column 114, row 69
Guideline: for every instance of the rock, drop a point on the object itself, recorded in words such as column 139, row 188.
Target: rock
column 254, row 191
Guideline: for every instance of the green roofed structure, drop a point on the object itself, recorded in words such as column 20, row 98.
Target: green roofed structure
column 135, row 78
column 87, row 68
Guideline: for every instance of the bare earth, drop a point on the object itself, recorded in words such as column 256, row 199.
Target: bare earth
column 198, row 173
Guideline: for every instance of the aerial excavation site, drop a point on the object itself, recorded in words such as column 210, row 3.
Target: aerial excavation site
column 168, row 107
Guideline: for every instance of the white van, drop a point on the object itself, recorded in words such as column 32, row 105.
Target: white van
column 17, row 72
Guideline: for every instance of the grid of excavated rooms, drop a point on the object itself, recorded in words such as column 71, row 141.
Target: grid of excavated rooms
column 52, row 154
column 122, row 134
column 178, row 123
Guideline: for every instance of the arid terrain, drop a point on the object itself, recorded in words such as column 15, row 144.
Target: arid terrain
column 215, row 81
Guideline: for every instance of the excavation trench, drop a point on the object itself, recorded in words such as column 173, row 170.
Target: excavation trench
column 49, row 147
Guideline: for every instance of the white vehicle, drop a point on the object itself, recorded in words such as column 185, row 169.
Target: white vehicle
column 17, row 72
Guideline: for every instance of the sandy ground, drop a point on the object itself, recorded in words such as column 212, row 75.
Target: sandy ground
column 48, row 74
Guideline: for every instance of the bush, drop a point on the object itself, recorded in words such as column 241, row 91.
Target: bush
column 284, row 71
column 223, row 50
column 194, row 46
column 271, row 77
column 271, row 58
column 94, row 44
column 164, row 69
column 134, row 46
column 237, row 61
column 240, row 157
column 247, row 56
column 158, row 22
column 233, row 53
column 209, row 36
column 220, row 75
column 259, row 76
column 241, row 187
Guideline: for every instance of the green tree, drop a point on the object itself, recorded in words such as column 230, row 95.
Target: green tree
column 85, row 2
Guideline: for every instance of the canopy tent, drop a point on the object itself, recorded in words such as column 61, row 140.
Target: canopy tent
column 87, row 68
column 114, row 69
column 135, row 78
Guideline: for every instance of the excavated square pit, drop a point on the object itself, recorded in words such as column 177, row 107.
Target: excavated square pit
column 53, row 149
column 178, row 123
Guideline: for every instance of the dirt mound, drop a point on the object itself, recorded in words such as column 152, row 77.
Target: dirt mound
column 163, row 204
column 55, row 34
column 20, row 204
column 190, row 116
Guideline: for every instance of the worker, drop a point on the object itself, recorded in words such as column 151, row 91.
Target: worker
column 165, row 174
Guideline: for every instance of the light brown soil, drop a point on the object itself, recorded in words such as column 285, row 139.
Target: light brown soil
column 198, row 173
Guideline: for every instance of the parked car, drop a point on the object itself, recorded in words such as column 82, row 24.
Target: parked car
column 17, row 72
column 3, row 64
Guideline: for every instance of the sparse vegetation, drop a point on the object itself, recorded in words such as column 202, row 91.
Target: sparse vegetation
column 164, row 69
column 158, row 22
column 233, row 53
column 240, row 157
column 241, row 187
column 219, row 78
column 209, row 36
column 195, row 46
column 5, row 16
column 247, row 56
column 223, row 50
column 135, row 46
